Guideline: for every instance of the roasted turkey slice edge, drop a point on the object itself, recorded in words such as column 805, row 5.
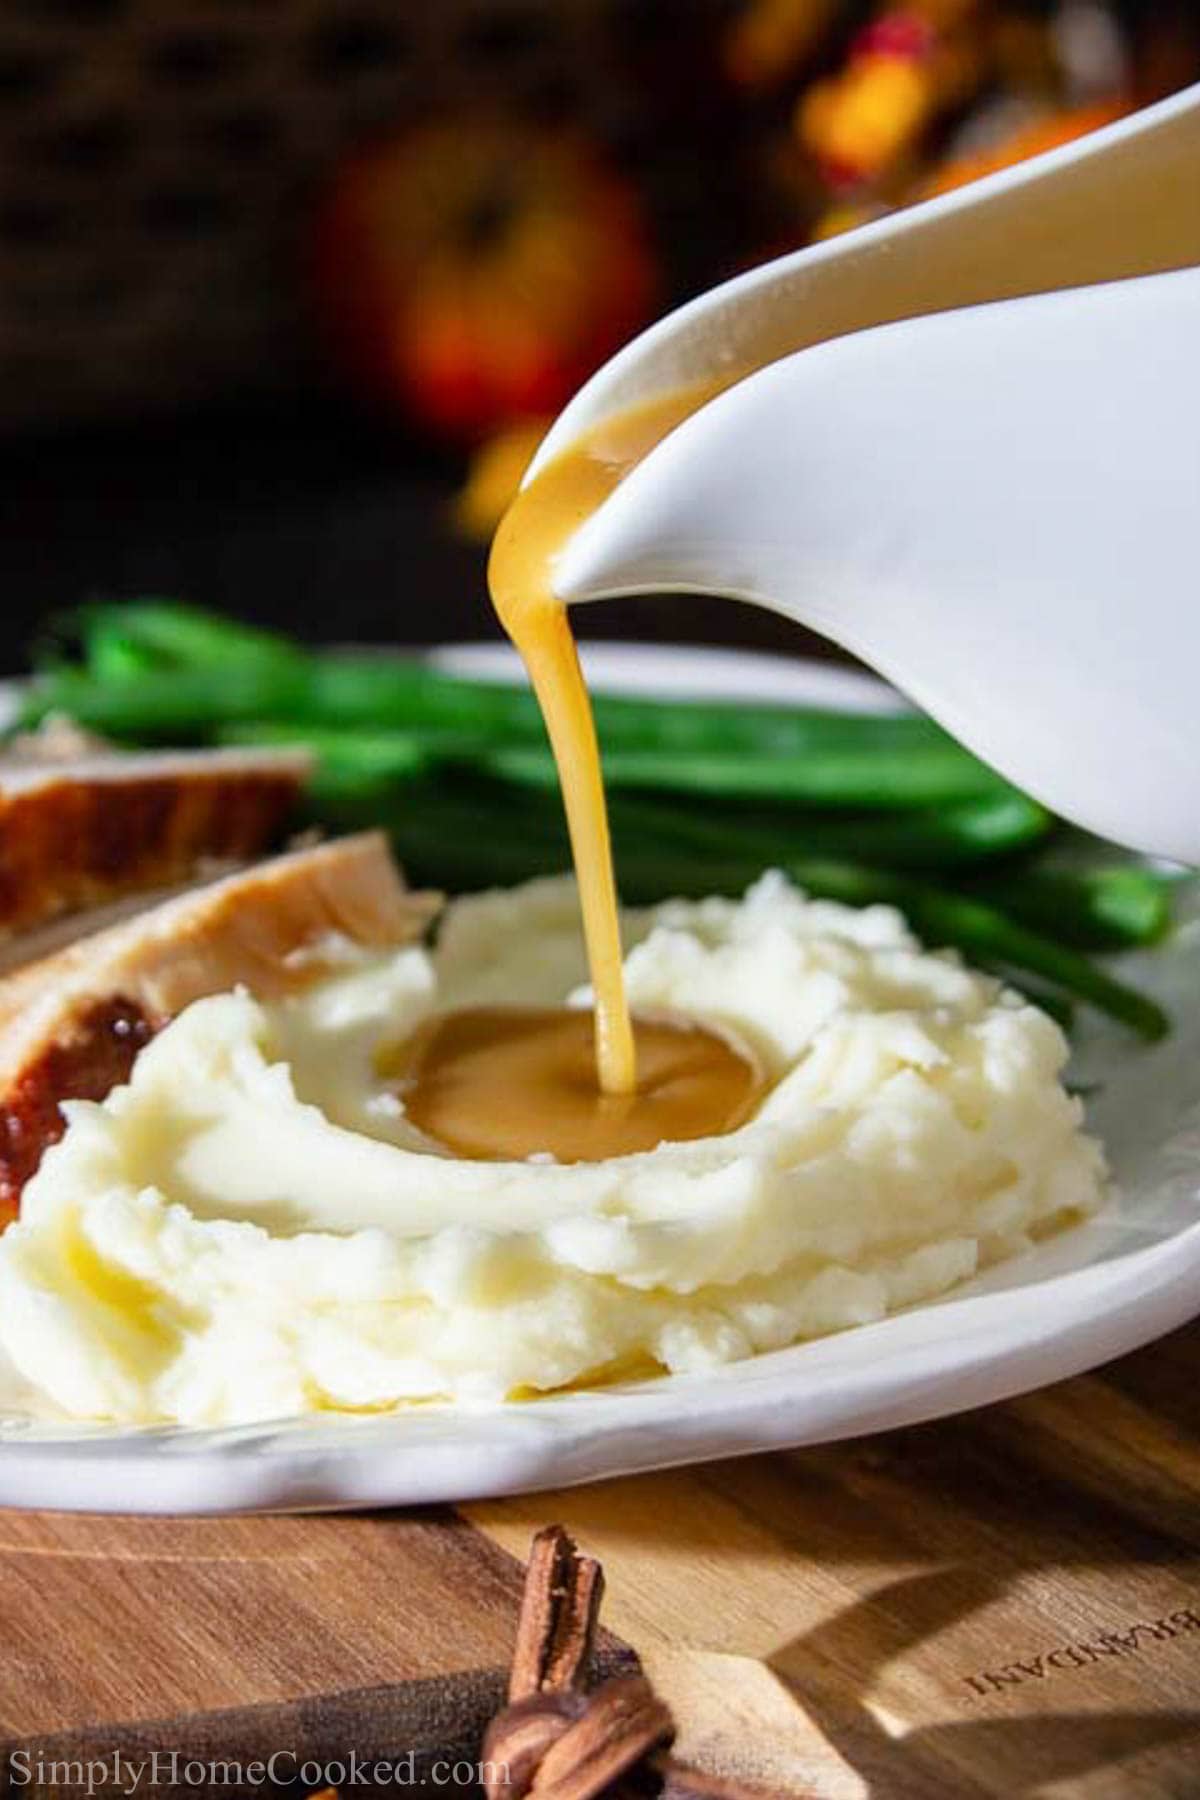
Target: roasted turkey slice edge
column 71, row 1024
column 81, row 832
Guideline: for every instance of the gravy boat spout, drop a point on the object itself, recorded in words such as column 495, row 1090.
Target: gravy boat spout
column 969, row 452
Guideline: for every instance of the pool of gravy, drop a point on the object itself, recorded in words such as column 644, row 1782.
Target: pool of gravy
column 504, row 1083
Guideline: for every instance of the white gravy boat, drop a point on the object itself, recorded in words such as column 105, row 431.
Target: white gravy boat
column 996, row 505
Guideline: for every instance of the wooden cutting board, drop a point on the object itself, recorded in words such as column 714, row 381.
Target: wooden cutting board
column 1002, row 1604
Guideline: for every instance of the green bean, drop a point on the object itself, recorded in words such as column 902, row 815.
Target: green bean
column 450, row 837
column 378, row 690
column 958, row 835
column 1091, row 909
column 167, row 707
column 921, row 775
column 116, row 657
column 142, row 635
column 354, row 768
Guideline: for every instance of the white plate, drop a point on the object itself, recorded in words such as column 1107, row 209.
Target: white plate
column 1088, row 1295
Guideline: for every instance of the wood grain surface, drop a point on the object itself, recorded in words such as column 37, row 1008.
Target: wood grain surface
column 127, row 1618
column 1002, row 1604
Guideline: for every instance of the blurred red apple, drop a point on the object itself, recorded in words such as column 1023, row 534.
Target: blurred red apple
column 476, row 273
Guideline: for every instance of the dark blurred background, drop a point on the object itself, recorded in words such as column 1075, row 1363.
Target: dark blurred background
column 288, row 288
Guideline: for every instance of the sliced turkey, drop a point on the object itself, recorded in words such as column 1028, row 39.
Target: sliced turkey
column 72, row 1023
column 85, row 831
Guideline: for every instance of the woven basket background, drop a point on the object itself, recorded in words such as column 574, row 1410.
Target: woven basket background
column 157, row 158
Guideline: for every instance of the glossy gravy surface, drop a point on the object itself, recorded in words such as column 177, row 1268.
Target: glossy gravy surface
column 504, row 1083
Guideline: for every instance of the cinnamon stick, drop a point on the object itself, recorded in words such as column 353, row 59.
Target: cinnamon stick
column 556, row 1740
column 556, row 1630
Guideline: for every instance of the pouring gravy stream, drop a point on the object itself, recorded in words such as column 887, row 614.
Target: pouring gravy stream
column 507, row 1082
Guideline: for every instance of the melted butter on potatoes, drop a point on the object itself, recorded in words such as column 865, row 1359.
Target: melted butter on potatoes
column 252, row 1227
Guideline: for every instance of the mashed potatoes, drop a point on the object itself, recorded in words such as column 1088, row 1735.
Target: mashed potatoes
column 252, row 1228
